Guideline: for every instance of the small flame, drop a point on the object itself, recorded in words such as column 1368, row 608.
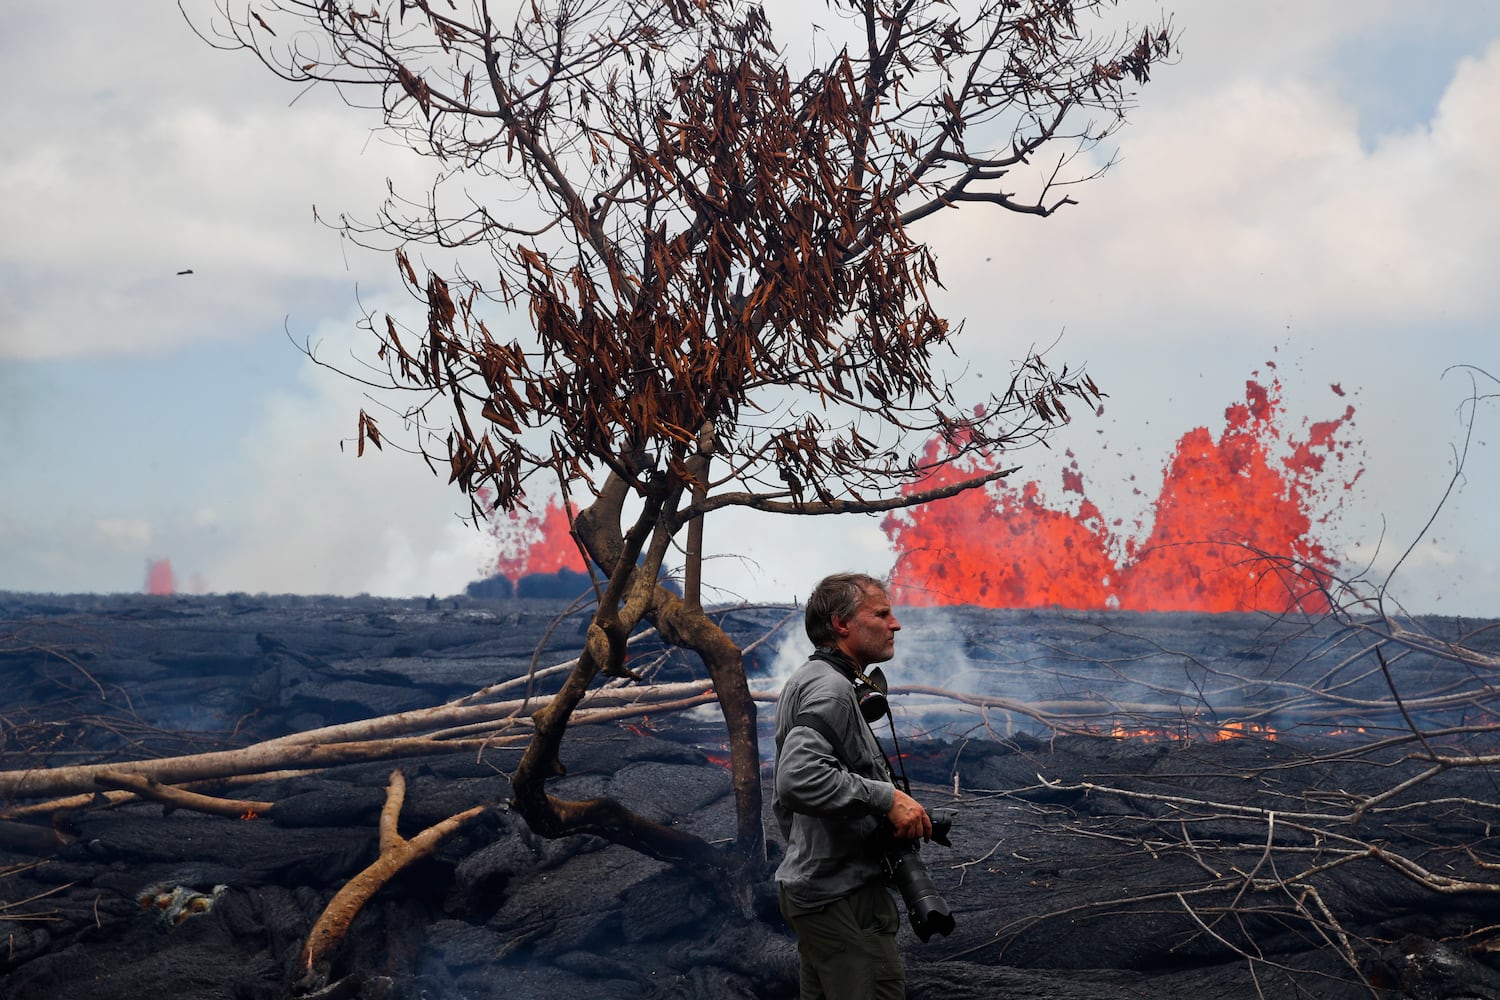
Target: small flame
column 249, row 814
column 1243, row 730
column 1227, row 731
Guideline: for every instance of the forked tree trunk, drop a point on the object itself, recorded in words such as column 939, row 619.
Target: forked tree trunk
column 632, row 595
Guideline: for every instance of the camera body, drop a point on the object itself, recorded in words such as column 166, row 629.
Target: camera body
column 873, row 703
column 925, row 908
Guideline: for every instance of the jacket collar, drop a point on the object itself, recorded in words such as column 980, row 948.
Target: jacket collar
column 836, row 657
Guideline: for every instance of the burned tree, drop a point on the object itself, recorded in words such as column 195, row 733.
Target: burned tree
column 717, row 251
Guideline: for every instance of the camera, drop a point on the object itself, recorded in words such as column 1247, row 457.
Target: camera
column 873, row 703
column 870, row 692
column 927, row 911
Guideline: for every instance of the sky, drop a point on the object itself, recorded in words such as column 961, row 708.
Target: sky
column 1311, row 185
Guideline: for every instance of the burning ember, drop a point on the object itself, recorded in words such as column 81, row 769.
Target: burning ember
column 1218, row 734
column 643, row 728
column 1233, row 530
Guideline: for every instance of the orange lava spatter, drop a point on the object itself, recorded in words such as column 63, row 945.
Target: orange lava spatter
column 1233, row 530
column 534, row 543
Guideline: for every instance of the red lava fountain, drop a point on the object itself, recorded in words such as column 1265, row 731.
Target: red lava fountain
column 160, row 579
column 1233, row 530
column 534, row 543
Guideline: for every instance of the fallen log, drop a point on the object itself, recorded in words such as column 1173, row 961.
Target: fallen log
column 179, row 798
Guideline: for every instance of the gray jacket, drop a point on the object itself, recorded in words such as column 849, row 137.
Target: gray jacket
column 828, row 813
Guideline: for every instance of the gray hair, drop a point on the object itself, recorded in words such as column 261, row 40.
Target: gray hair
column 836, row 596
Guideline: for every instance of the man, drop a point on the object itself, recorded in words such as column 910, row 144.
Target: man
column 833, row 788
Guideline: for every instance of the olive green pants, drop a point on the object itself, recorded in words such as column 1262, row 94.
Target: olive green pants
column 848, row 946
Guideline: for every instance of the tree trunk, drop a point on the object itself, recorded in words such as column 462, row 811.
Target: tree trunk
column 690, row 627
column 633, row 594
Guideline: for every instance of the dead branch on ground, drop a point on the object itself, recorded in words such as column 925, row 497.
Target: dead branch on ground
column 396, row 853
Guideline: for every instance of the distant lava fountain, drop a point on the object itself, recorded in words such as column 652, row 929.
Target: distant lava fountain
column 160, row 579
column 1232, row 530
column 534, row 543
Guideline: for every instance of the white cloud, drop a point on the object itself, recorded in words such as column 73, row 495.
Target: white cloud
column 1223, row 43
column 1257, row 208
column 126, row 534
column 304, row 514
column 154, row 173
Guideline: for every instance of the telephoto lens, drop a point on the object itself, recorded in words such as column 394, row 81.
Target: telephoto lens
column 925, row 908
column 927, row 911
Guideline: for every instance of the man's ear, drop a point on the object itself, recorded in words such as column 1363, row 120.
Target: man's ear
column 840, row 625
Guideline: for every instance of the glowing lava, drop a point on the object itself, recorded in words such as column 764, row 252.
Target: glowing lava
column 1232, row 530
column 534, row 543
column 1218, row 734
column 160, row 579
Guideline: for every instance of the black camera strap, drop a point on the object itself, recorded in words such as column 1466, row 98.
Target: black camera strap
column 819, row 725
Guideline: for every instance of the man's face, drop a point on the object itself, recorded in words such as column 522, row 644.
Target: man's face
column 869, row 635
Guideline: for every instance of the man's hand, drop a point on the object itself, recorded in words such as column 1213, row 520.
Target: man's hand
column 909, row 818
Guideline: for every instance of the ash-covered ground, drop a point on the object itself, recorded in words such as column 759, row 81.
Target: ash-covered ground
column 1082, row 866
